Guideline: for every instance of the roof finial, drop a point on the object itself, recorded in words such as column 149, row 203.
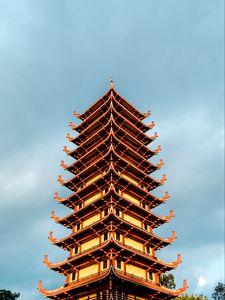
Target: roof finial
column 111, row 83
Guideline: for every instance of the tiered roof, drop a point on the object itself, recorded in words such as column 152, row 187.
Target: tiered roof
column 111, row 176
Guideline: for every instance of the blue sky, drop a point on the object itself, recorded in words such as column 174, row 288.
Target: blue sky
column 57, row 57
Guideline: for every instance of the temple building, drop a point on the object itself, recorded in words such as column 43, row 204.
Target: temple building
column 112, row 245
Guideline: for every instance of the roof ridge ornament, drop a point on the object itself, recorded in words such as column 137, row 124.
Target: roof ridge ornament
column 111, row 83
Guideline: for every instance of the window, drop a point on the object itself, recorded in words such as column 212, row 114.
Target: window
column 104, row 295
column 78, row 226
column 118, row 264
column 145, row 226
column 143, row 205
column 105, row 237
column 80, row 205
column 73, row 277
column 76, row 250
column 150, row 275
column 117, row 212
column 105, row 264
column 105, row 212
column 117, row 236
column 148, row 249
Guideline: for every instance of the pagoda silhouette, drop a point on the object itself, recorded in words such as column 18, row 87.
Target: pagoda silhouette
column 112, row 246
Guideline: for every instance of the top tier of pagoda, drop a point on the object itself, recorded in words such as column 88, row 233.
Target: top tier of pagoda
column 112, row 246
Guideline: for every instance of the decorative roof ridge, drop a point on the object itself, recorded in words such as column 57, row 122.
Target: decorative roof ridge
column 169, row 240
column 69, row 152
column 159, row 288
column 127, row 133
column 113, row 92
column 156, row 259
column 51, row 265
column 62, row 289
column 166, row 240
column 158, row 166
column 132, row 125
column 161, row 181
column 163, row 199
column 96, row 132
column 117, row 102
column 111, row 97
column 100, row 107
column 111, row 149
column 61, row 200
column 101, row 129
column 111, row 189
column 167, row 218
column 129, row 104
column 66, row 167
column 90, row 166
column 59, row 219
column 156, row 151
column 54, row 240
column 132, row 137
column 63, row 182
column 92, row 149
column 111, row 107
column 95, row 121
column 107, row 94
column 171, row 264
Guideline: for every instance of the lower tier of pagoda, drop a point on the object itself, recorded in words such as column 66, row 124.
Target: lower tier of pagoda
column 110, row 280
column 140, row 198
column 121, row 205
column 81, row 257
column 113, row 223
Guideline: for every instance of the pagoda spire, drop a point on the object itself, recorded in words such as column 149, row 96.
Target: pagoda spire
column 111, row 83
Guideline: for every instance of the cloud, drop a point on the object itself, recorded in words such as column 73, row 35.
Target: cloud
column 22, row 183
column 201, row 281
column 57, row 57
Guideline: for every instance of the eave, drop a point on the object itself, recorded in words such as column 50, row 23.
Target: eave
column 96, row 253
column 111, row 196
column 157, row 291
column 125, row 226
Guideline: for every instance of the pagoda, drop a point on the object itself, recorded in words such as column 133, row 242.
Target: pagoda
column 112, row 246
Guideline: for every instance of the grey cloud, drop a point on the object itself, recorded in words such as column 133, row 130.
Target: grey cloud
column 57, row 57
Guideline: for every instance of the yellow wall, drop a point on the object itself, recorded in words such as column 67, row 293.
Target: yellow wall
column 90, row 244
column 96, row 196
column 132, row 220
column 93, row 179
column 92, row 269
column 129, row 179
column 130, row 198
column 91, row 220
column 133, row 244
column 136, row 271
